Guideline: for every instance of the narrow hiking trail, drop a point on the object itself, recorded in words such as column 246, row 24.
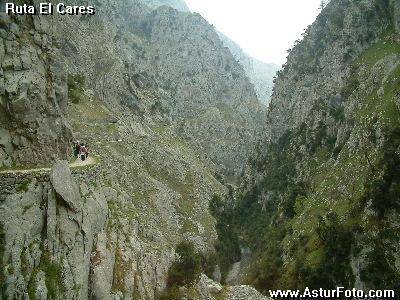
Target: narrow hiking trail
column 79, row 163
column 76, row 164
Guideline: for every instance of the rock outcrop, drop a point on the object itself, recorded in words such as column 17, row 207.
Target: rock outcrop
column 47, row 246
column 208, row 289
column 65, row 186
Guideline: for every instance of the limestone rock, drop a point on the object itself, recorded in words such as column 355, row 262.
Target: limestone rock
column 209, row 285
column 243, row 292
column 217, row 274
column 164, row 106
column 65, row 186
column 35, row 96
column 2, row 51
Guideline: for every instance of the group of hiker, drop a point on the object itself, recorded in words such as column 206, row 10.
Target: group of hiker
column 81, row 150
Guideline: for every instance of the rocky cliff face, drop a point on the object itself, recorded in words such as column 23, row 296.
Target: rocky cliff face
column 164, row 107
column 323, row 190
column 261, row 74
column 210, row 99
column 33, row 95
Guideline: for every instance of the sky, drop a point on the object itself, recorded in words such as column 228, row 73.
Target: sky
column 265, row 29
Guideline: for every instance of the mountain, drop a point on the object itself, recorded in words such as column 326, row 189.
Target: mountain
column 261, row 74
column 168, row 114
column 319, row 202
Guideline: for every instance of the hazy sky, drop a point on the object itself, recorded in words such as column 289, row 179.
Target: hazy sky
column 265, row 29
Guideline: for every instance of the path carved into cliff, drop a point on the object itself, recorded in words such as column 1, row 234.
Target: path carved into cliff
column 76, row 164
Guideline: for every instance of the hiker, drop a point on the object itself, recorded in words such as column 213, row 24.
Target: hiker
column 87, row 150
column 77, row 149
column 82, row 153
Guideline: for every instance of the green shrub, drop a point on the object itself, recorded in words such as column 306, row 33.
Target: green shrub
column 268, row 270
column 23, row 186
column 184, row 271
column 295, row 191
column 187, row 268
column 352, row 84
column 337, row 241
column 227, row 245
column 337, row 112
column 326, row 264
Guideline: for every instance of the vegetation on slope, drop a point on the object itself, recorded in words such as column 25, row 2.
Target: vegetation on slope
column 227, row 245
column 185, row 271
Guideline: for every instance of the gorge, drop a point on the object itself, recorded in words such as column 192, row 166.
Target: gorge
column 190, row 171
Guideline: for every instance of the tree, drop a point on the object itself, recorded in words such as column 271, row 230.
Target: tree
column 187, row 268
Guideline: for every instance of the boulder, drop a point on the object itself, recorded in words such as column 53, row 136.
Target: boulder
column 207, row 287
column 65, row 185
column 242, row 292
